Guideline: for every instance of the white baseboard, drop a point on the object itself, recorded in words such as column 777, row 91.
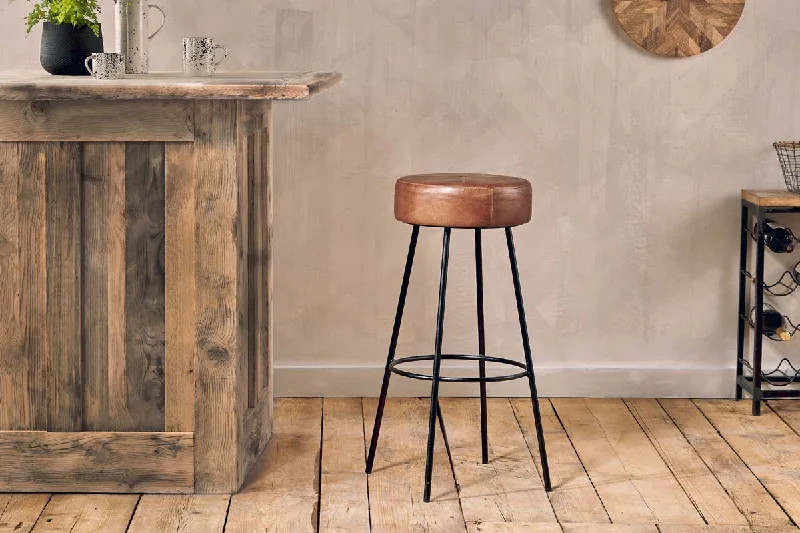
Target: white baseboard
column 354, row 381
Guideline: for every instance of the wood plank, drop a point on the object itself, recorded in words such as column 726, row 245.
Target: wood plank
column 397, row 480
column 38, row 461
column 14, row 411
column 766, row 444
column 610, row 528
column 63, row 185
column 574, row 498
column 708, row 496
column 144, row 285
column 344, row 505
column 508, row 488
column 103, row 164
column 771, row 198
column 197, row 513
column 87, row 513
column 179, row 278
column 96, row 120
column 219, row 401
column 281, row 492
column 257, row 432
column 265, row 208
column 788, row 411
column 33, row 267
column 18, row 512
column 632, row 481
column 739, row 482
column 672, row 528
column 512, row 527
column 250, row 85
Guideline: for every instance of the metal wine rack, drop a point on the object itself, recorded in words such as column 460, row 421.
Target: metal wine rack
column 750, row 376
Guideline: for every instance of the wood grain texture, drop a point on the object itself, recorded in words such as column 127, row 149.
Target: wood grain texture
column 574, row 498
column 96, row 461
column 396, row 482
column 87, row 513
column 281, row 491
column 771, row 197
column 103, row 170
column 631, row 479
column 611, row 528
column 36, row 85
column 63, row 185
column 678, row 28
column 197, row 513
column 257, row 430
column 265, row 224
column 219, row 406
column 33, row 269
column 87, row 120
column 180, row 285
column 732, row 473
column 513, row 527
column 762, row 442
column 144, row 285
column 14, row 412
column 19, row 512
column 788, row 411
column 699, row 483
column 508, row 488
column 344, row 504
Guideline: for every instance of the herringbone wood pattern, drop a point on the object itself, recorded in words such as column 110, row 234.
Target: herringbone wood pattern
column 678, row 28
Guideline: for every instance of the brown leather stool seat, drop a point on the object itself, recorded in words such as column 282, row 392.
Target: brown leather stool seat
column 462, row 200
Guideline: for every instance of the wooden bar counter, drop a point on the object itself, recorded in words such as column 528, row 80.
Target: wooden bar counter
column 135, row 279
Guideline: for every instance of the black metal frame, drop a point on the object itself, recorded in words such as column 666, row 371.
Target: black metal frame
column 393, row 365
column 753, row 383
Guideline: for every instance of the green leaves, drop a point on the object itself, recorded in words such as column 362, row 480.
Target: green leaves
column 75, row 12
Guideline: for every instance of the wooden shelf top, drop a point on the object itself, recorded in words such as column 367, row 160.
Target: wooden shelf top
column 771, row 197
column 38, row 85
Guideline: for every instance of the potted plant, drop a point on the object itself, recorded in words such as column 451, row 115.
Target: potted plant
column 70, row 34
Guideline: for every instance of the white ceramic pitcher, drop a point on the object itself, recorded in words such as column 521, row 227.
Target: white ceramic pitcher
column 131, row 18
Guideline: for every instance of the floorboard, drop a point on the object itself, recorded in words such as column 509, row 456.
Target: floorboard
column 705, row 491
column 617, row 466
column 769, row 447
column 755, row 503
column 196, row 513
column 87, row 513
column 344, row 507
column 574, row 498
column 633, row 482
column 397, row 479
column 19, row 512
column 281, row 494
column 508, row 488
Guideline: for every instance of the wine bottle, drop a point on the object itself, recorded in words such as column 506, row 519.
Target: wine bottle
column 779, row 239
column 773, row 323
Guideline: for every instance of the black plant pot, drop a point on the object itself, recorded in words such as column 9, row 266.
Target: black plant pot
column 65, row 48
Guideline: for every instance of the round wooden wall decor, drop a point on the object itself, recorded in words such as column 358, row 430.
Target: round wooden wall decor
column 678, row 28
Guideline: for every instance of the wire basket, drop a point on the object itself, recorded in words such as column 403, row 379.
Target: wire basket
column 789, row 156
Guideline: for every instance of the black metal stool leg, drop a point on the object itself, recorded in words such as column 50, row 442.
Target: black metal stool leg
column 523, row 326
column 398, row 318
column 481, row 344
column 437, row 363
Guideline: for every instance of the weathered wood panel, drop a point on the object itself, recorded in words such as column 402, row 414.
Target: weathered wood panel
column 103, row 171
column 179, row 279
column 96, row 462
column 57, row 120
column 33, row 267
column 13, row 363
column 63, row 201
column 199, row 513
column 220, row 393
column 144, row 285
column 19, row 512
column 264, row 197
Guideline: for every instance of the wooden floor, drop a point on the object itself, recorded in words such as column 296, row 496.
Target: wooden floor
column 618, row 466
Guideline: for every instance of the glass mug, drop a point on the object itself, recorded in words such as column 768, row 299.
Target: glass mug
column 199, row 56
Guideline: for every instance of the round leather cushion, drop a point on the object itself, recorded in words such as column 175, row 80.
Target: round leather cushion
column 462, row 200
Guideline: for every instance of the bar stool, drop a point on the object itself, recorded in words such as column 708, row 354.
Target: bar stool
column 462, row 201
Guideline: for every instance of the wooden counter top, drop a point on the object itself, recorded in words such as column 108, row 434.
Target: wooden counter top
column 38, row 85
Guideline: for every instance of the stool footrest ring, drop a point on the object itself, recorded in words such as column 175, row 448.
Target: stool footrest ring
column 394, row 366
